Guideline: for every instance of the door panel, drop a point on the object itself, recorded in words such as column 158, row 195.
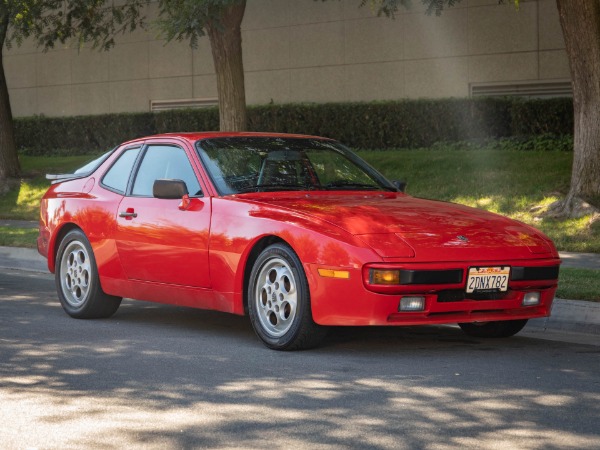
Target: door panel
column 159, row 240
column 163, row 243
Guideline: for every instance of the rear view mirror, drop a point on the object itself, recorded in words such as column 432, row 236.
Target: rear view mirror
column 169, row 189
column 400, row 185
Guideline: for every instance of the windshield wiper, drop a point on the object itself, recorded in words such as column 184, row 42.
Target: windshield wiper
column 347, row 184
column 274, row 187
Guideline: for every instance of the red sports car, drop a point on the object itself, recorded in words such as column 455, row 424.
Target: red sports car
column 295, row 231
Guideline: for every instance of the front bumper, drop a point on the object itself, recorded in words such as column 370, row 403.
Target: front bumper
column 348, row 301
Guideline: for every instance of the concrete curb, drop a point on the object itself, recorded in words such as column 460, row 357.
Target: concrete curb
column 580, row 260
column 567, row 315
column 570, row 315
column 22, row 259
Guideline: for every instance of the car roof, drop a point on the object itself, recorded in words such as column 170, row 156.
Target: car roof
column 199, row 135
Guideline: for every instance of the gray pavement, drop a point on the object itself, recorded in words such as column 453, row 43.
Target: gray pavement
column 18, row 223
column 163, row 377
column 580, row 260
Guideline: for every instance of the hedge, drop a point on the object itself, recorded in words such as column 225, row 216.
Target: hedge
column 377, row 125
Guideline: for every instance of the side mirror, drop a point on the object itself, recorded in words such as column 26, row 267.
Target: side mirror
column 400, row 185
column 169, row 189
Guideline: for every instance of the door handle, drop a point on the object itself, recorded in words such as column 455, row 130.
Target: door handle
column 128, row 214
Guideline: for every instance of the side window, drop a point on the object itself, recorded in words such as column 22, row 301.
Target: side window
column 163, row 161
column 117, row 176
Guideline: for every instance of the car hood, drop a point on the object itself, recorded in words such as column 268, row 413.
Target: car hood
column 400, row 226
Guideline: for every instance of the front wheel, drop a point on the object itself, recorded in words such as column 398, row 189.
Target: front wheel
column 279, row 301
column 500, row 329
column 77, row 282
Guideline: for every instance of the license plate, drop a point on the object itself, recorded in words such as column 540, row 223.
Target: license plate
column 488, row 279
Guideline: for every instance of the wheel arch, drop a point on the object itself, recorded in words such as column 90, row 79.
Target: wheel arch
column 256, row 250
column 55, row 243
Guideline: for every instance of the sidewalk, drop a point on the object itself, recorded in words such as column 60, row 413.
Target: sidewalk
column 573, row 316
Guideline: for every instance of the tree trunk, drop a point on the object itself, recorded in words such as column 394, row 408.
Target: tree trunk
column 580, row 21
column 9, row 162
column 226, row 44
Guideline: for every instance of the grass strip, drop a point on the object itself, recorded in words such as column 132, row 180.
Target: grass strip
column 579, row 284
column 18, row 237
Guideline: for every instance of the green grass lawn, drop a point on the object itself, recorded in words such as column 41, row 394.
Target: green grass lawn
column 18, row 237
column 579, row 284
column 23, row 203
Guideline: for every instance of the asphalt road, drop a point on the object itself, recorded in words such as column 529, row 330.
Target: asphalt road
column 165, row 377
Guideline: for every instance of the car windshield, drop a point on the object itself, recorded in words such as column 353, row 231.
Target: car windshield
column 238, row 165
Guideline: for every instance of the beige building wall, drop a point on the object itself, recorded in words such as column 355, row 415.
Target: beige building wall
column 303, row 51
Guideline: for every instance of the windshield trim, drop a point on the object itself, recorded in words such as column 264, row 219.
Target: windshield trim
column 380, row 182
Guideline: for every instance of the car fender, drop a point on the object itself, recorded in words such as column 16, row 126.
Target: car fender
column 238, row 229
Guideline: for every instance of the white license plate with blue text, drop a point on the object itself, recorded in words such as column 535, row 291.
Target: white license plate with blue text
column 488, row 279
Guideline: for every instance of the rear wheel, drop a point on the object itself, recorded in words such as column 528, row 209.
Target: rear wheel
column 500, row 329
column 279, row 301
column 77, row 281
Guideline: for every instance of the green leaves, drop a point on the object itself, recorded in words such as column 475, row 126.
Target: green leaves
column 188, row 19
column 50, row 22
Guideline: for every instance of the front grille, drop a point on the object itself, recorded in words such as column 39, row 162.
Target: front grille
column 456, row 295
column 452, row 276
column 534, row 273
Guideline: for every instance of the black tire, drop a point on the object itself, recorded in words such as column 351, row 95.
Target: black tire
column 500, row 329
column 279, row 301
column 77, row 281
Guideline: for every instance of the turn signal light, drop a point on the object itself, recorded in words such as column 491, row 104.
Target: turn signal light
column 329, row 273
column 385, row 277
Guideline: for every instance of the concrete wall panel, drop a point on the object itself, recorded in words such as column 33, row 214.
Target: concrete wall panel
column 436, row 36
column 129, row 62
column 256, row 19
column 317, row 45
column 374, row 40
column 440, row 77
column 351, row 10
column 551, row 35
column 266, row 49
column 202, row 63
column 129, row 96
column 89, row 66
column 365, row 82
column 54, row 68
column 205, row 86
column 303, row 50
column 171, row 60
column 304, row 12
column 54, row 101
column 20, row 71
column 23, row 102
column 319, row 84
column 503, row 67
column 503, row 29
column 267, row 86
column 91, row 98
column 170, row 88
column 554, row 65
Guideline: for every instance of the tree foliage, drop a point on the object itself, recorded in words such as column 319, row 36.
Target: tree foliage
column 188, row 20
column 60, row 21
column 47, row 23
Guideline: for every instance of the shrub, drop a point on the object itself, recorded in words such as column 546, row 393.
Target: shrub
column 376, row 125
